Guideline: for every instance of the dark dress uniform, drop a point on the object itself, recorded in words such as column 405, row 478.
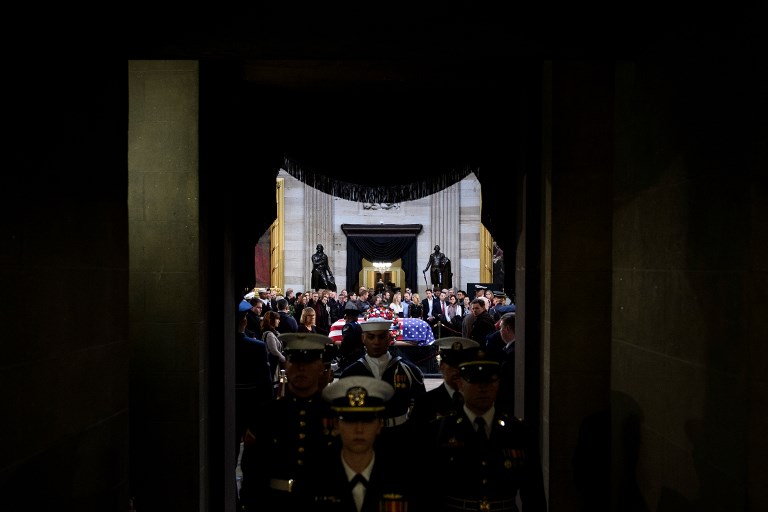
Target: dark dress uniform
column 505, row 400
column 292, row 431
column 441, row 401
column 253, row 381
column 434, row 404
column 390, row 487
column 483, row 475
column 408, row 381
column 388, row 477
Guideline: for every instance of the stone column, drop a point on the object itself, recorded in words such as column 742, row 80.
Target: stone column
column 445, row 228
column 167, row 319
column 318, row 221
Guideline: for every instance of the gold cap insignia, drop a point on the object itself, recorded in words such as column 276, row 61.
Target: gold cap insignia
column 357, row 396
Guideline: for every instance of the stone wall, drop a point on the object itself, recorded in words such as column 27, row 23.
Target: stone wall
column 450, row 219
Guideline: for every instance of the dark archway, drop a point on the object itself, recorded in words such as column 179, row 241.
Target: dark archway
column 381, row 242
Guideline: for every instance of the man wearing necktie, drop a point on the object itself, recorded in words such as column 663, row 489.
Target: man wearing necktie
column 358, row 477
column 443, row 299
column 445, row 399
column 481, row 458
column 481, row 429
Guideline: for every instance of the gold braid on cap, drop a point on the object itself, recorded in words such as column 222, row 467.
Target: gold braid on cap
column 356, row 402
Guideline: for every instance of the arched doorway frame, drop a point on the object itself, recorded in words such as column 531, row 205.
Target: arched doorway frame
column 381, row 242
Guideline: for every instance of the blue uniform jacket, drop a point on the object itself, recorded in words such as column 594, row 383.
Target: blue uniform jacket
column 490, row 473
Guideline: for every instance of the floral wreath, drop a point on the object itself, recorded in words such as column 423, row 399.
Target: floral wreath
column 388, row 314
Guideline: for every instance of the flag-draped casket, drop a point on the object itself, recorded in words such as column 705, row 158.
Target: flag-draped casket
column 410, row 330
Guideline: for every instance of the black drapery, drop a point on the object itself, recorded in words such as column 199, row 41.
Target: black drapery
column 380, row 248
column 423, row 185
column 370, row 141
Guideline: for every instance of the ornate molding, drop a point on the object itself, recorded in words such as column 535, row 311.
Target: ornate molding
column 381, row 229
column 381, row 206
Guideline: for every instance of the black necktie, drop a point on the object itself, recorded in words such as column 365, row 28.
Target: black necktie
column 458, row 398
column 358, row 479
column 481, row 433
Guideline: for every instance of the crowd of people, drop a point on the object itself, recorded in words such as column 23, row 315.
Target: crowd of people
column 352, row 426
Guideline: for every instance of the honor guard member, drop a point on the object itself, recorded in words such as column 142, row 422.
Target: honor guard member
column 244, row 307
column 499, row 299
column 330, row 363
column 290, row 431
column 503, row 341
column 352, row 347
column 502, row 307
column 253, row 380
column 484, row 459
column 445, row 399
column 358, row 477
column 402, row 374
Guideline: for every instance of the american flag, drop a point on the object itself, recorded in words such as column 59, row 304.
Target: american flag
column 416, row 329
column 413, row 330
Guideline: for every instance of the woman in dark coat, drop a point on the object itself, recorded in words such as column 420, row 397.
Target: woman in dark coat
column 307, row 323
column 274, row 345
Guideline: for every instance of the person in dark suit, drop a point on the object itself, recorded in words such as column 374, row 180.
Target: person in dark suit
column 302, row 299
column 431, row 308
column 445, row 399
column 359, row 477
column 254, row 316
column 503, row 339
column 287, row 322
column 336, row 307
column 322, row 314
column 503, row 343
column 482, row 325
column 482, row 458
column 307, row 323
column 253, row 379
column 363, row 302
column 442, row 306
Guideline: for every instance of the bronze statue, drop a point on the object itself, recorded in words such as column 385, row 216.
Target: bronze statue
column 439, row 267
column 322, row 277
